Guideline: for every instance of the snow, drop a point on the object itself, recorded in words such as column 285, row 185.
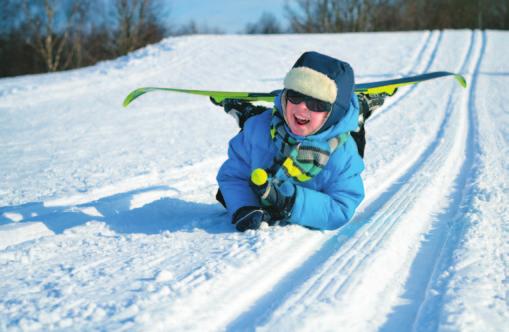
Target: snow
column 15, row 233
column 108, row 219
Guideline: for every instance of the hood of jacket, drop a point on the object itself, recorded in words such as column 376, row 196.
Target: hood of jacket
column 325, row 78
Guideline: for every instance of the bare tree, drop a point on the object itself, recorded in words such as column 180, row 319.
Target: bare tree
column 301, row 18
column 320, row 16
column 193, row 28
column 266, row 24
column 81, row 12
column 138, row 24
column 498, row 15
column 48, row 36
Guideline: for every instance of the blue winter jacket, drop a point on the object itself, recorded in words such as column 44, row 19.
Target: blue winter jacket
column 327, row 201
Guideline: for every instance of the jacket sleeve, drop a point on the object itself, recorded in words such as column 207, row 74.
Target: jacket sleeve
column 234, row 175
column 333, row 206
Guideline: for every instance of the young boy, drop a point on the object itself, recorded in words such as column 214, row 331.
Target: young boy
column 298, row 162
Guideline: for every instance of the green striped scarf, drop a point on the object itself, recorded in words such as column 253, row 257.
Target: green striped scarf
column 301, row 160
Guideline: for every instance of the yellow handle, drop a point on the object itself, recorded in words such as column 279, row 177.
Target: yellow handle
column 259, row 177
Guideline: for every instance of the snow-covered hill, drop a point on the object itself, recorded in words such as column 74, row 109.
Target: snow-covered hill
column 108, row 219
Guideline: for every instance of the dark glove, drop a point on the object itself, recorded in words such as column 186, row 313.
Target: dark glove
column 240, row 110
column 369, row 103
column 250, row 217
column 278, row 196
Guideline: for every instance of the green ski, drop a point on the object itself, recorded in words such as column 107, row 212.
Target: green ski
column 387, row 87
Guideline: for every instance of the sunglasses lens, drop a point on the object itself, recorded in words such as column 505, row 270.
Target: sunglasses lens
column 313, row 104
column 295, row 97
column 318, row 105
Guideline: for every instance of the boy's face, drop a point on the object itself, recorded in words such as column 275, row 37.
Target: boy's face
column 301, row 120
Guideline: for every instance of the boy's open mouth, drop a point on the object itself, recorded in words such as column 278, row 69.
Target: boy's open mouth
column 301, row 120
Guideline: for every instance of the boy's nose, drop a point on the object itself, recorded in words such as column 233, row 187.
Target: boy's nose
column 302, row 106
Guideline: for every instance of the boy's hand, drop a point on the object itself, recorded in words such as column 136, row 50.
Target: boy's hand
column 250, row 217
column 240, row 110
column 237, row 109
column 369, row 103
column 278, row 195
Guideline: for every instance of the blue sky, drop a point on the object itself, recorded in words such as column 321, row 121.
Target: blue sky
column 230, row 16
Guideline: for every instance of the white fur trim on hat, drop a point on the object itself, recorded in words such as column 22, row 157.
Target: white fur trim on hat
column 311, row 83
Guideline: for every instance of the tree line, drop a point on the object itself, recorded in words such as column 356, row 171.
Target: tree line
column 50, row 35
column 320, row 16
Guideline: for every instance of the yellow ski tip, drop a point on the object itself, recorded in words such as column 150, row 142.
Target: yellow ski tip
column 133, row 95
column 461, row 80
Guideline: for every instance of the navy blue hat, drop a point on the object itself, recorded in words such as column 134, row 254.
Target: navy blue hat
column 323, row 77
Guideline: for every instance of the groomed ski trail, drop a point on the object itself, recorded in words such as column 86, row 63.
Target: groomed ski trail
column 455, row 298
column 336, row 293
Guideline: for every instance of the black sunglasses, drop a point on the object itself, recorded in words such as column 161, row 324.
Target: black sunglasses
column 313, row 104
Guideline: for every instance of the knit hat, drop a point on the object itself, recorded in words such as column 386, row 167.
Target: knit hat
column 324, row 78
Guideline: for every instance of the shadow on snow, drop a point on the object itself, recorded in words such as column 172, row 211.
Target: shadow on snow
column 117, row 211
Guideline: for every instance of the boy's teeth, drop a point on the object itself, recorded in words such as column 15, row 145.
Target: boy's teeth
column 301, row 121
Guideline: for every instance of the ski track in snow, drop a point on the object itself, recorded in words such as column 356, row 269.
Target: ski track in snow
column 363, row 252
column 154, row 252
column 445, row 299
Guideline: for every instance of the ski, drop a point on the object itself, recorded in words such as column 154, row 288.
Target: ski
column 390, row 87
column 218, row 96
column 387, row 87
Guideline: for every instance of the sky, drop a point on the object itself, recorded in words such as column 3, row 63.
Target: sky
column 231, row 16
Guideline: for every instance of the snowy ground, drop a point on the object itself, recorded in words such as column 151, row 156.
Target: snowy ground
column 108, row 221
